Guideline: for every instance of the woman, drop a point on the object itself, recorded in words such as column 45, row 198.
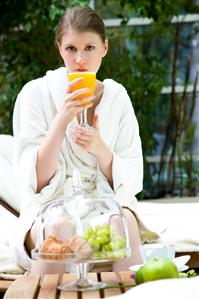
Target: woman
column 46, row 112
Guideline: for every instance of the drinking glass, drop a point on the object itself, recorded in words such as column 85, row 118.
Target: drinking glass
column 89, row 81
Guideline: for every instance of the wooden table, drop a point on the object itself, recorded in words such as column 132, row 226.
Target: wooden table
column 28, row 287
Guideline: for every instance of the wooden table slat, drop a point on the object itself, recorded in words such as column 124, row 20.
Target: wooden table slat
column 48, row 287
column 28, row 287
column 110, row 278
column 69, row 294
column 23, row 288
column 126, row 279
column 91, row 294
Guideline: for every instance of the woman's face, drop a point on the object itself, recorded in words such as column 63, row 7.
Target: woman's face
column 82, row 51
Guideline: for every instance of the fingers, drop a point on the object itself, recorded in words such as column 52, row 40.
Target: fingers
column 73, row 83
column 85, row 101
column 78, row 95
column 77, row 106
column 73, row 96
column 81, row 136
column 85, row 131
column 78, row 92
column 81, row 142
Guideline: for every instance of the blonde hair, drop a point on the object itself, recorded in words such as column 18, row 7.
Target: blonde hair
column 82, row 19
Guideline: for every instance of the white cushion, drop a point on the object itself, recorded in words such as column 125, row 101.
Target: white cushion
column 176, row 220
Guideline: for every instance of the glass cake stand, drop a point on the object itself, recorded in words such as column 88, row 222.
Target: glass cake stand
column 79, row 232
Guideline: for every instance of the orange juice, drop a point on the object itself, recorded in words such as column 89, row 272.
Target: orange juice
column 89, row 81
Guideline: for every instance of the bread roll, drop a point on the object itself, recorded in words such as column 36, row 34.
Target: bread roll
column 56, row 247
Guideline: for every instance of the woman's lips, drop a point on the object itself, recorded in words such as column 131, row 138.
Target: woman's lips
column 81, row 70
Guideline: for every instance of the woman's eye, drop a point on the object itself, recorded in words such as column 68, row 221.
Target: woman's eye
column 71, row 49
column 90, row 48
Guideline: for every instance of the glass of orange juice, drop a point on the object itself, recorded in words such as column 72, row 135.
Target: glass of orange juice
column 89, row 81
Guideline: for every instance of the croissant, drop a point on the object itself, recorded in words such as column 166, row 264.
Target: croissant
column 58, row 249
column 80, row 247
column 55, row 246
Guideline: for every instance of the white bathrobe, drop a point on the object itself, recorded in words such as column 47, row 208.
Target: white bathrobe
column 35, row 108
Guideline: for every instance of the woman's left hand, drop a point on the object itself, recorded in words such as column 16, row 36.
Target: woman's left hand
column 89, row 139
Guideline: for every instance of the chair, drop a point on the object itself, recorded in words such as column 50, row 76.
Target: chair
column 8, row 207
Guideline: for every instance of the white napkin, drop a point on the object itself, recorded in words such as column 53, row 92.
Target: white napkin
column 179, row 288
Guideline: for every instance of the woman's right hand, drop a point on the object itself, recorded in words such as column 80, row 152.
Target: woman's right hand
column 72, row 106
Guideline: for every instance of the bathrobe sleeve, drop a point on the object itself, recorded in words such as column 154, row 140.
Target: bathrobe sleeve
column 30, row 125
column 127, row 166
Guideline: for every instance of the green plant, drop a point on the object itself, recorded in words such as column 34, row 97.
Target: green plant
column 27, row 47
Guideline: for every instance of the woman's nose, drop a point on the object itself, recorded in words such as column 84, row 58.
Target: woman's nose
column 80, row 58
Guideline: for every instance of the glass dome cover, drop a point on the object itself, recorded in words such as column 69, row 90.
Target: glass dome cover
column 82, row 230
column 85, row 229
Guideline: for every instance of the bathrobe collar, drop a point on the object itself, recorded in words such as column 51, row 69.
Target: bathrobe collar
column 57, row 82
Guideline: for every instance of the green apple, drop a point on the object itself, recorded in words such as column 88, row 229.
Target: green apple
column 156, row 269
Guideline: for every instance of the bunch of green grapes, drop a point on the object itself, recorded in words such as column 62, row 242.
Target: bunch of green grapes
column 105, row 243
